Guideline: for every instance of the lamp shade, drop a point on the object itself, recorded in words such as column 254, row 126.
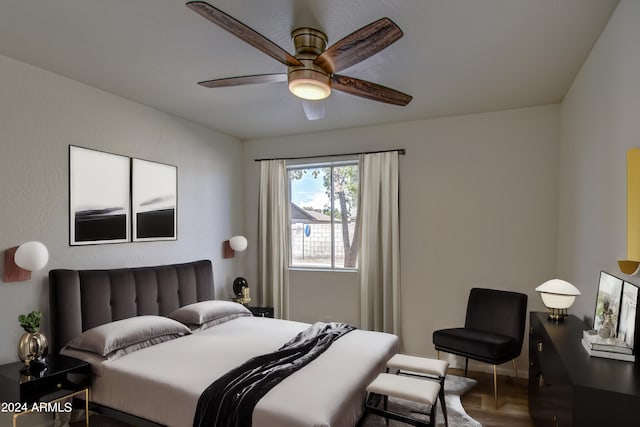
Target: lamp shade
column 31, row 256
column 238, row 243
column 558, row 294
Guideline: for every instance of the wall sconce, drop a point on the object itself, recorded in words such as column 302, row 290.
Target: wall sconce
column 233, row 245
column 20, row 261
column 557, row 295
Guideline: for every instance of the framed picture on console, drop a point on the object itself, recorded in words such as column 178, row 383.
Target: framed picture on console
column 607, row 313
column 627, row 318
column 154, row 200
column 99, row 193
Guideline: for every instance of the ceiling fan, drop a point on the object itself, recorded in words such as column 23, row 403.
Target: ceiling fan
column 311, row 72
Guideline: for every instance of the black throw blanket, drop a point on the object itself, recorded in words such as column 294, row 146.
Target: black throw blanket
column 230, row 400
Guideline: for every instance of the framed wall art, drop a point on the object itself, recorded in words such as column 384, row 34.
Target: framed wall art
column 627, row 318
column 99, row 197
column 608, row 305
column 154, row 190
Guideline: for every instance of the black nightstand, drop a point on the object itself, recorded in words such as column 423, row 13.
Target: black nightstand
column 63, row 378
column 262, row 311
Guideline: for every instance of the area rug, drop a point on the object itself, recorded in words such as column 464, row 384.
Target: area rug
column 454, row 387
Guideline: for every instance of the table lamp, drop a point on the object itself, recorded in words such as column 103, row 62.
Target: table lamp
column 557, row 295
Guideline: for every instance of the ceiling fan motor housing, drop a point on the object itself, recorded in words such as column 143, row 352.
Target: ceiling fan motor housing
column 309, row 81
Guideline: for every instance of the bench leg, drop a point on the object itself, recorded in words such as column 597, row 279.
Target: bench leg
column 386, row 408
column 427, row 377
column 495, row 385
column 443, row 403
column 402, row 418
column 371, row 406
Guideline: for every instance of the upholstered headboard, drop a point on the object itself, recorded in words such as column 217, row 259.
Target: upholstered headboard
column 83, row 299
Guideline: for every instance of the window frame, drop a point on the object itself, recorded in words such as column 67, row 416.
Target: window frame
column 319, row 165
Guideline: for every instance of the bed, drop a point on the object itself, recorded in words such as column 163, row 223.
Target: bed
column 161, row 383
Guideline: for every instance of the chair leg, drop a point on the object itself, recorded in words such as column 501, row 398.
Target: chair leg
column 513, row 361
column 466, row 365
column 438, row 354
column 495, row 385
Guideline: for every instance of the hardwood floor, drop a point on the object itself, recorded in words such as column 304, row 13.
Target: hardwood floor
column 513, row 407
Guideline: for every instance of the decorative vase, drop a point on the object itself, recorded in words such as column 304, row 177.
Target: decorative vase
column 32, row 346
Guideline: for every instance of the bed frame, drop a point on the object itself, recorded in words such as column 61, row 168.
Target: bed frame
column 83, row 299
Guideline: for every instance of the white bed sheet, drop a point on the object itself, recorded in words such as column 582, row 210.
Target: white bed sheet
column 162, row 383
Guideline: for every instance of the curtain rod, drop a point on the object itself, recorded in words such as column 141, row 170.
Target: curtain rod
column 401, row 152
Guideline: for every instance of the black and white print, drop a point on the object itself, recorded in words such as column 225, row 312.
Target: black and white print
column 99, row 186
column 154, row 201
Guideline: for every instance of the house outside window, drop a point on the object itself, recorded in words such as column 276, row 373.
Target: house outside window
column 323, row 217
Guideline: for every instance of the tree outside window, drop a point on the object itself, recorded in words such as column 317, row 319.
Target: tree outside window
column 323, row 215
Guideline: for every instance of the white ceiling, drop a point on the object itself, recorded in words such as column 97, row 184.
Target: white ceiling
column 456, row 56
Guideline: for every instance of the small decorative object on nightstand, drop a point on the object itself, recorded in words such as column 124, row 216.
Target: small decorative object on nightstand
column 64, row 378
column 33, row 345
column 241, row 290
column 262, row 311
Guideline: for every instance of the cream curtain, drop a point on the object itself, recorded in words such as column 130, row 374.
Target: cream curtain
column 273, row 237
column 379, row 255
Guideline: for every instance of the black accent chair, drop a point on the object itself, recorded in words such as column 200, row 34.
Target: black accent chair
column 493, row 330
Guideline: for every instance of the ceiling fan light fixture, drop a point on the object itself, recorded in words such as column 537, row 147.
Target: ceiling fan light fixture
column 309, row 84
column 312, row 71
column 309, row 89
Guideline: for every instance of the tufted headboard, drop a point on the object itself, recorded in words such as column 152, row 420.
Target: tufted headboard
column 83, row 299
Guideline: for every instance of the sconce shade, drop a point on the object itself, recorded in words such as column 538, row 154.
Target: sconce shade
column 558, row 295
column 31, row 256
column 20, row 261
column 238, row 243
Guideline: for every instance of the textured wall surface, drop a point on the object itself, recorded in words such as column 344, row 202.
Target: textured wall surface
column 599, row 124
column 478, row 207
column 40, row 115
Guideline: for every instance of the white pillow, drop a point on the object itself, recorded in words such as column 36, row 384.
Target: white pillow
column 202, row 315
column 128, row 335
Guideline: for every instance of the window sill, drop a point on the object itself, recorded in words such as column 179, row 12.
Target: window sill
column 324, row 269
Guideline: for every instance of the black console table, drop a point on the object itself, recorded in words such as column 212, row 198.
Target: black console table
column 567, row 387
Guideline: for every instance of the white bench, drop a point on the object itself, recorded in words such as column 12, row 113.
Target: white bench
column 424, row 368
column 402, row 387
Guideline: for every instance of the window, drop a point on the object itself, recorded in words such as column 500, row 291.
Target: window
column 324, row 207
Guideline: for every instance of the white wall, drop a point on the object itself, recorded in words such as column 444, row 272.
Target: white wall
column 600, row 119
column 478, row 208
column 40, row 115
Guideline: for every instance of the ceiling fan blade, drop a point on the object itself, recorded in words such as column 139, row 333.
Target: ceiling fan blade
column 359, row 45
column 245, row 80
column 369, row 90
column 243, row 32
